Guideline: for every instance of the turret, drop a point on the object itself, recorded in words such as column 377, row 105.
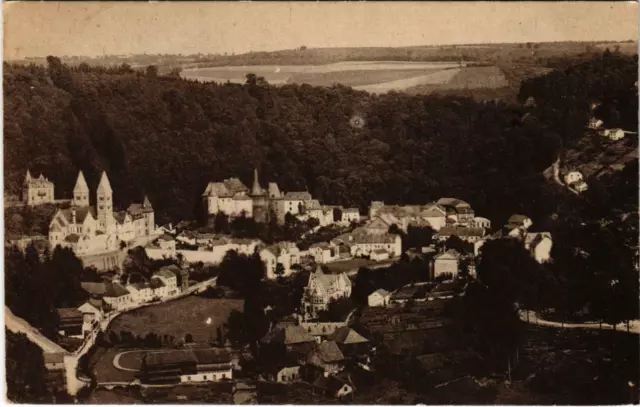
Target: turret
column 28, row 178
column 256, row 189
column 147, row 209
column 104, row 203
column 81, row 192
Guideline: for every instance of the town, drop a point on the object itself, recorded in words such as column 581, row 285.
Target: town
column 327, row 211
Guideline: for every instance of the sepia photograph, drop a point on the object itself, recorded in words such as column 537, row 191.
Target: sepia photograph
column 321, row 203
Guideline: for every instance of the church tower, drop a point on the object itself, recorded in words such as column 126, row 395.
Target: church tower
column 149, row 217
column 104, row 205
column 81, row 192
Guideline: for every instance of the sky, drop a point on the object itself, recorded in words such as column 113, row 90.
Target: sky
column 34, row 29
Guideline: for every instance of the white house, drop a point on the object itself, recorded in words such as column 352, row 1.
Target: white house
column 572, row 176
column 480, row 222
column 539, row 245
column 612, row 134
column 229, row 197
column 379, row 255
column 363, row 244
column 324, row 252
column 446, row 264
column 466, row 234
column 379, row 298
column 350, row 215
column 116, row 296
column 285, row 253
column 92, row 312
column 595, row 123
column 168, row 276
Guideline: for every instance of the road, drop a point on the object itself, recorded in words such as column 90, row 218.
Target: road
column 18, row 325
column 535, row 318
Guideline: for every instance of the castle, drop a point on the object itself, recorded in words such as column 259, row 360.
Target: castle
column 37, row 191
column 95, row 229
column 233, row 198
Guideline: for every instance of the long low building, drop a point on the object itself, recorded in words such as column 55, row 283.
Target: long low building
column 187, row 366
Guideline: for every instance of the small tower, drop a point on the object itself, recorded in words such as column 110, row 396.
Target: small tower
column 149, row 217
column 27, row 178
column 104, row 205
column 256, row 189
column 81, row 192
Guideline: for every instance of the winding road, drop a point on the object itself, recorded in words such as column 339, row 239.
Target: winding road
column 535, row 318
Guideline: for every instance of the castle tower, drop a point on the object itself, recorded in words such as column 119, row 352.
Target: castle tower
column 28, row 178
column 256, row 189
column 260, row 203
column 104, row 205
column 81, row 192
column 149, row 217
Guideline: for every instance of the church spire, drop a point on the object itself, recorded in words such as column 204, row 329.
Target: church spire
column 81, row 191
column 104, row 185
column 27, row 178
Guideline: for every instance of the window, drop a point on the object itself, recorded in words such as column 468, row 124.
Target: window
column 189, row 378
column 205, row 377
column 224, row 376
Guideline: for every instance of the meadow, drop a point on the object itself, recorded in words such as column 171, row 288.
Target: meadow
column 193, row 315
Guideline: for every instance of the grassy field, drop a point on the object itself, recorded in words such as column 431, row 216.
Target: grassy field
column 102, row 366
column 178, row 318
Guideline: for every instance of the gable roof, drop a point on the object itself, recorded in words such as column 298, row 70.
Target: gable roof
column 461, row 231
column 381, row 291
column 448, row 255
column 69, row 313
column 234, row 185
column 327, row 352
column 346, row 336
column 518, row 219
column 298, row 196
column 114, row 290
column 216, row 189
column 329, row 282
column 287, row 335
column 362, row 238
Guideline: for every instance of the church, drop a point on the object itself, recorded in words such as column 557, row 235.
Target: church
column 94, row 229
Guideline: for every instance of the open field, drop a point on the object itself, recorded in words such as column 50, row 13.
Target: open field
column 178, row 318
column 102, row 366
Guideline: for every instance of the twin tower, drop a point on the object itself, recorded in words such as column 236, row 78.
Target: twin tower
column 104, row 200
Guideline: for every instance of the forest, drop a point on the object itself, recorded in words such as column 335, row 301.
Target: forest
column 167, row 137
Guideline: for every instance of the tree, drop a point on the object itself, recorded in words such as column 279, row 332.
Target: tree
column 279, row 271
column 152, row 71
column 236, row 329
column 25, row 364
column 221, row 223
column 454, row 243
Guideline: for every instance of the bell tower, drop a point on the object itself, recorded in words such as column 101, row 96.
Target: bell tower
column 104, row 205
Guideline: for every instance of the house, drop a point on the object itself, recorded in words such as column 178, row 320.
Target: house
column 323, row 288
column 363, row 244
column 286, row 370
column 37, row 191
column 53, row 361
column 285, row 338
column 480, row 222
column 539, row 245
column 333, row 387
column 379, row 255
column 140, row 292
column 186, row 366
column 348, row 340
column 113, row 294
column 70, row 322
column 431, row 214
column 166, row 242
column 466, row 234
column 326, row 356
column 436, row 215
column 92, row 312
column 520, row 221
column 379, row 298
column 159, row 288
column 380, row 224
column 324, row 252
column 594, row 123
column 285, row 253
column 169, row 276
column 350, row 215
column 457, row 210
column 612, row 134
column 446, row 264
column 321, row 330
column 580, row 186
column 572, row 177
column 293, row 203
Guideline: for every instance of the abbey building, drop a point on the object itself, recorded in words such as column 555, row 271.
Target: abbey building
column 95, row 229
